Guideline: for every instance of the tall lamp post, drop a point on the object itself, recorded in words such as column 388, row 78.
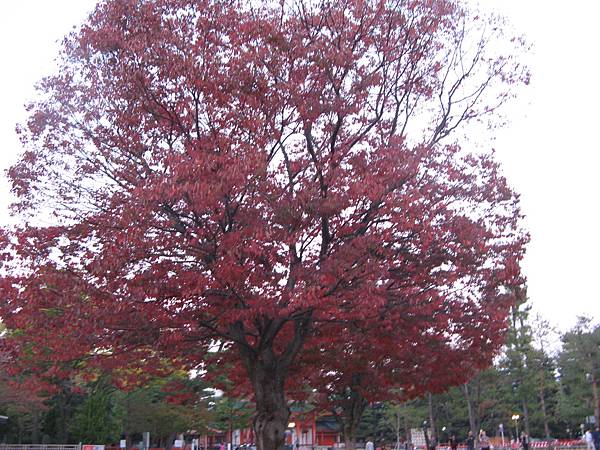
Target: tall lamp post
column 291, row 432
column 427, row 442
column 515, row 418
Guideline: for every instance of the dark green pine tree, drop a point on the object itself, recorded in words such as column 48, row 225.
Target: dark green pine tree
column 517, row 364
column 579, row 368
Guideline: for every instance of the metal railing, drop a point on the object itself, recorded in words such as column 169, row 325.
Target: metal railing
column 40, row 447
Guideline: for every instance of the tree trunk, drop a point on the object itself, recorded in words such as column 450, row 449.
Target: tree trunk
column 525, row 418
column 408, row 433
column 61, row 434
column 426, row 435
column 470, row 409
column 35, row 427
column 349, row 438
column 544, row 413
column 272, row 412
column 397, row 429
column 267, row 370
column 170, row 440
column 20, row 430
column 432, row 424
column 353, row 409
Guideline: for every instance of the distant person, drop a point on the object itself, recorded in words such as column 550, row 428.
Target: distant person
column 589, row 440
column 524, row 441
column 596, row 438
column 484, row 441
column 470, row 441
column 453, row 442
column 369, row 445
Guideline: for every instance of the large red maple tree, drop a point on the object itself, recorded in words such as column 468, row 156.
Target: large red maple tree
column 262, row 178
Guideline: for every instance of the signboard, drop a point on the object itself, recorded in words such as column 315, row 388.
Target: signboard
column 417, row 437
column 92, row 447
column 123, row 443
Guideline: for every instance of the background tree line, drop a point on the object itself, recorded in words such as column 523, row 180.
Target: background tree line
column 553, row 390
column 97, row 412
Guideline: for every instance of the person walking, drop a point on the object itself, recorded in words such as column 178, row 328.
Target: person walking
column 453, row 442
column 524, row 441
column 589, row 440
column 369, row 445
column 596, row 438
column 470, row 441
column 484, row 441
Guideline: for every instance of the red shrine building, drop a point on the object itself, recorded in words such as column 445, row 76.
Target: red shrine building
column 303, row 433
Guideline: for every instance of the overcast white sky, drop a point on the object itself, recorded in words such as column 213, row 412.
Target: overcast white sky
column 549, row 151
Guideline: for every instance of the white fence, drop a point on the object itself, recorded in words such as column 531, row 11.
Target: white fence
column 40, row 447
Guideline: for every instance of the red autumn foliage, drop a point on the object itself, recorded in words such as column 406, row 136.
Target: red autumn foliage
column 274, row 178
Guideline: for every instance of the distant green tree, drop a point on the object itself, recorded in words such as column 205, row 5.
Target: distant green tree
column 375, row 425
column 406, row 416
column 529, row 372
column 98, row 420
column 24, row 409
column 62, row 406
column 579, row 367
column 228, row 414
column 401, row 417
column 516, row 364
column 164, row 407
column 491, row 400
